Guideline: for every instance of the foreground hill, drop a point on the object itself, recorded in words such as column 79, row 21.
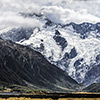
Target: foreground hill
column 23, row 66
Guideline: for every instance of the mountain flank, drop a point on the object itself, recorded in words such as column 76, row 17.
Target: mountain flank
column 23, row 66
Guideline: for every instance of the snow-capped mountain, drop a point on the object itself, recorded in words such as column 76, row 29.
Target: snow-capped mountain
column 72, row 47
column 67, row 37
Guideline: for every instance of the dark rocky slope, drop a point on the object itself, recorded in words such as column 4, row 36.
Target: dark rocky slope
column 22, row 65
column 95, row 87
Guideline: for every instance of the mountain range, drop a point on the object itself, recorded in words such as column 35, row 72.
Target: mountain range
column 52, row 45
column 72, row 47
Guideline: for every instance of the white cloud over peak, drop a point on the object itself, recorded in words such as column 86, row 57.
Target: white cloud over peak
column 60, row 11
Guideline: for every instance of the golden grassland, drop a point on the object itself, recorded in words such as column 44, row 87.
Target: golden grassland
column 85, row 93
column 22, row 98
column 29, row 98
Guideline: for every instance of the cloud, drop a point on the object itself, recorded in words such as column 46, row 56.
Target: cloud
column 65, row 15
column 10, row 17
column 59, row 11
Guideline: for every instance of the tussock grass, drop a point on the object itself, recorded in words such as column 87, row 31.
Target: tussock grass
column 22, row 98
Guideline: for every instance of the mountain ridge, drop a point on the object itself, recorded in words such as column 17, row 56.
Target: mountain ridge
column 22, row 65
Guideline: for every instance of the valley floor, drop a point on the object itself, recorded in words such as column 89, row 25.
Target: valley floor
column 57, row 96
column 22, row 98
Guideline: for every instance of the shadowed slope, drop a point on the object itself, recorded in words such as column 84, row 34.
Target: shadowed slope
column 20, row 65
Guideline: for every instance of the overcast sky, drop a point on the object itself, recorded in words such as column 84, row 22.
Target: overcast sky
column 59, row 11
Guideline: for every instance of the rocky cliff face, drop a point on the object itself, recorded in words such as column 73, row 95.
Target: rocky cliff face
column 22, row 65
